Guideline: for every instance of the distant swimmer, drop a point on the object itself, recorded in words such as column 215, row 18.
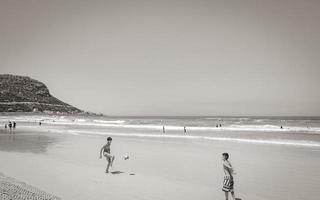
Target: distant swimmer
column 106, row 150
column 10, row 125
column 217, row 126
column 220, row 125
column 163, row 129
column 281, row 127
column 39, row 123
column 228, row 182
column 184, row 129
column 5, row 126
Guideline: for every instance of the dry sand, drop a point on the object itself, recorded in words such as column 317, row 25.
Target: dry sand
column 68, row 166
column 12, row 189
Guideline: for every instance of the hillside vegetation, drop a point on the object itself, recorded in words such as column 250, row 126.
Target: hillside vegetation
column 24, row 94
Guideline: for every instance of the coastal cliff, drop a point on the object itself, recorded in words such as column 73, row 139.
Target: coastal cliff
column 24, row 94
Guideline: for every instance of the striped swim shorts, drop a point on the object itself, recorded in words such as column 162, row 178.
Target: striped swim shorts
column 228, row 184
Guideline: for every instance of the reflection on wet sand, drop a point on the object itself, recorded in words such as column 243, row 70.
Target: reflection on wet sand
column 16, row 141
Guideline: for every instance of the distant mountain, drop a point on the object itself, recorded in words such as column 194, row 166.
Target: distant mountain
column 24, row 94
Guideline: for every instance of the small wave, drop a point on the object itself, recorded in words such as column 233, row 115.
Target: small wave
column 235, row 126
column 80, row 120
column 257, row 128
column 110, row 122
column 242, row 140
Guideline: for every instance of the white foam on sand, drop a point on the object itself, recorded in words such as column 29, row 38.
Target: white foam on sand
column 300, row 143
column 110, row 121
column 259, row 128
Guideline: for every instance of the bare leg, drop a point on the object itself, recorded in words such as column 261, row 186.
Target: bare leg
column 107, row 170
column 232, row 194
column 112, row 159
column 226, row 194
column 108, row 158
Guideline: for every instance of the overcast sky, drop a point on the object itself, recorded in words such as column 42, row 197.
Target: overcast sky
column 134, row 57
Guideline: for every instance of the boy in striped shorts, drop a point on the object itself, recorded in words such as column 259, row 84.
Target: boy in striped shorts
column 228, row 178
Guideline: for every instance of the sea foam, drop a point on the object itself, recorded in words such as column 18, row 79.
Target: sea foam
column 226, row 139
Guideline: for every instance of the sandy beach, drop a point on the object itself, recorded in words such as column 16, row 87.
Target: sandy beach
column 67, row 165
column 12, row 189
column 176, row 84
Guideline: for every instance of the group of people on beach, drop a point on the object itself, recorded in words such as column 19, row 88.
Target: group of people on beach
column 185, row 128
column 11, row 125
column 228, row 181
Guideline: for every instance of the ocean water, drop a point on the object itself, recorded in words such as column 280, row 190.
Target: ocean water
column 295, row 131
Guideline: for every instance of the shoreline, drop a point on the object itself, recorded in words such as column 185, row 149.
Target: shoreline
column 295, row 139
column 178, row 125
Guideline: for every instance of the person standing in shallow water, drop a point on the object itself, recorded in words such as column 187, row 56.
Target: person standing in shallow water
column 228, row 182
column 107, row 153
column 10, row 125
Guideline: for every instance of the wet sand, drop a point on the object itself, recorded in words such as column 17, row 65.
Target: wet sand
column 68, row 166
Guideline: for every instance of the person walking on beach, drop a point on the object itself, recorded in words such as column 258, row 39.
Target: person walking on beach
column 107, row 153
column 228, row 182
column 14, row 125
column 10, row 125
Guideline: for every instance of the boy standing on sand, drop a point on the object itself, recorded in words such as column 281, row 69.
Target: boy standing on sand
column 228, row 178
column 107, row 153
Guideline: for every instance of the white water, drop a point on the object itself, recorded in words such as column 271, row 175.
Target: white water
column 193, row 137
column 200, row 128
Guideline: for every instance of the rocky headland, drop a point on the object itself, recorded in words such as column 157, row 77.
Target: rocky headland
column 24, row 94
